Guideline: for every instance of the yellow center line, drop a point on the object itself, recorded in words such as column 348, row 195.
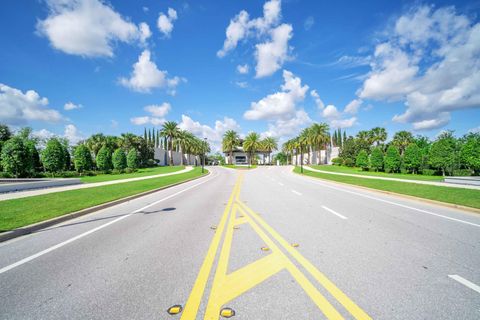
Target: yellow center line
column 193, row 302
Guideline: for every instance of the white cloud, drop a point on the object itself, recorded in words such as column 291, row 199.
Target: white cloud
column 279, row 105
column 43, row 134
column 159, row 110
column 145, row 32
column 286, row 127
column 430, row 62
column 309, row 22
column 157, row 115
column 330, row 112
column 317, row 99
column 72, row 106
column 242, row 69
column 72, row 134
column 242, row 84
column 86, row 27
column 273, row 51
column 213, row 135
column 114, row 124
column 272, row 54
column 475, row 130
column 146, row 76
column 165, row 22
column 353, row 106
column 18, row 108
column 343, row 123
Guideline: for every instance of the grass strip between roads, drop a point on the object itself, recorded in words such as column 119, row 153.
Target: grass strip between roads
column 140, row 173
column 21, row 212
column 359, row 171
column 232, row 166
column 458, row 196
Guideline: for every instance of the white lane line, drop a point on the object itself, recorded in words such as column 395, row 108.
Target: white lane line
column 281, row 184
column 335, row 213
column 465, row 282
column 394, row 203
column 296, row 192
column 52, row 248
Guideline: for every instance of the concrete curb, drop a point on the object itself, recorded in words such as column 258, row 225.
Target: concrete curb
column 8, row 235
column 439, row 203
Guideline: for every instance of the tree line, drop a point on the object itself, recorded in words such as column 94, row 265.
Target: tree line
column 251, row 145
column 24, row 155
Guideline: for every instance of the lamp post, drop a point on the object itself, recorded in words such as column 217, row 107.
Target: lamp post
column 204, row 147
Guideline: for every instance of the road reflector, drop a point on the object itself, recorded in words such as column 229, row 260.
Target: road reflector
column 227, row 312
column 213, row 227
column 241, row 216
column 295, row 245
column 265, row 248
column 176, row 309
column 236, row 227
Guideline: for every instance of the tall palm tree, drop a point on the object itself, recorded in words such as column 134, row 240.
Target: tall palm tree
column 127, row 141
column 230, row 141
column 181, row 141
column 378, row 135
column 288, row 147
column 95, row 143
column 319, row 137
column 251, row 145
column 170, row 131
column 269, row 144
column 402, row 139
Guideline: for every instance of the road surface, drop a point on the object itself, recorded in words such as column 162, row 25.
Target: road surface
column 265, row 244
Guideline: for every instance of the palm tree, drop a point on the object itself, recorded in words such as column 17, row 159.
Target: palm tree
column 251, row 145
column 378, row 135
column 288, row 147
column 95, row 143
column 181, row 141
column 318, row 137
column 402, row 139
column 230, row 141
column 170, row 131
column 127, row 141
column 269, row 144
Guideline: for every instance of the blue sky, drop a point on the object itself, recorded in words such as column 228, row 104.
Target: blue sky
column 120, row 66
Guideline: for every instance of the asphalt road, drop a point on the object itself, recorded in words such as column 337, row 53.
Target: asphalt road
column 266, row 243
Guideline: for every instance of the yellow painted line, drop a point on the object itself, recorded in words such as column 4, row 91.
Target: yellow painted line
column 351, row 307
column 193, row 302
column 240, row 221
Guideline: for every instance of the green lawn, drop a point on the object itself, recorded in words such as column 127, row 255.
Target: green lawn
column 140, row 173
column 342, row 169
column 17, row 213
column 464, row 197
column 232, row 166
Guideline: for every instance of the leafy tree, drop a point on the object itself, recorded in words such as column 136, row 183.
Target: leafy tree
column 132, row 159
column 362, row 160
column 392, row 159
column 470, row 151
column 442, row 152
column 82, row 159
column 281, row 157
column 14, row 157
column 402, row 139
column 104, row 159
column 412, row 157
column 5, row 133
column 376, row 159
column 378, row 135
column 349, row 150
column 119, row 159
column 53, row 156
column 32, row 160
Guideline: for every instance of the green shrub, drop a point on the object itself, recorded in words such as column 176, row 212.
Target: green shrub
column 462, row 172
column 82, row 159
column 335, row 161
column 376, row 159
column 132, row 159
column 348, row 162
column 428, row 172
column 392, row 159
column 104, row 159
column 119, row 160
column 130, row 170
column 362, row 160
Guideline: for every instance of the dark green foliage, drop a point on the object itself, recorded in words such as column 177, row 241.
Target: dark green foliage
column 392, row 159
column 337, row 161
column 119, row 160
column 376, row 159
column 33, row 158
column 132, row 159
column 53, row 156
column 5, row 133
column 83, row 159
column 362, row 160
column 442, row 153
column 15, row 157
column 104, row 159
column 470, row 152
column 412, row 158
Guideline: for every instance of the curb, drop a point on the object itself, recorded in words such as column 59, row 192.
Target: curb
column 8, row 235
column 400, row 195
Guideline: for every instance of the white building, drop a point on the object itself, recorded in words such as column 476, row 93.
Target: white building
column 313, row 158
column 162, row 156
column 240, row 157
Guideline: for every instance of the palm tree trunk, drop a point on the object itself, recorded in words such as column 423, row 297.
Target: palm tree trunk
column 181, row 156
column 231, row 156
column 171, row 153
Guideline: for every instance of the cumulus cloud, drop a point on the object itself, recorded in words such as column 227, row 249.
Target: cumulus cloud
column 318, row 100
column 156, row 117
column 287, row 127
column 72, row 134
column 343, row 123
column 242, row 84
column 353, row 106
column 17, row 107
column 429, row 61
column 213, row 134
column 86, row 27
column 146, row 76
column 281, row 104
column 165, row 22
column 242, row 69
column 330, row 112
column 72, row 106
column 273, row 51
column 43, row 134
column 145, row 32
column 308, row 23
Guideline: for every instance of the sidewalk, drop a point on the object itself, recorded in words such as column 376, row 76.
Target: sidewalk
column 29, row 193
column 431, row 183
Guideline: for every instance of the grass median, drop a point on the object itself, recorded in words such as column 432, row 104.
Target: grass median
column 243, row 167
column 458, row 196
column 17, row 213
column 140, row 173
